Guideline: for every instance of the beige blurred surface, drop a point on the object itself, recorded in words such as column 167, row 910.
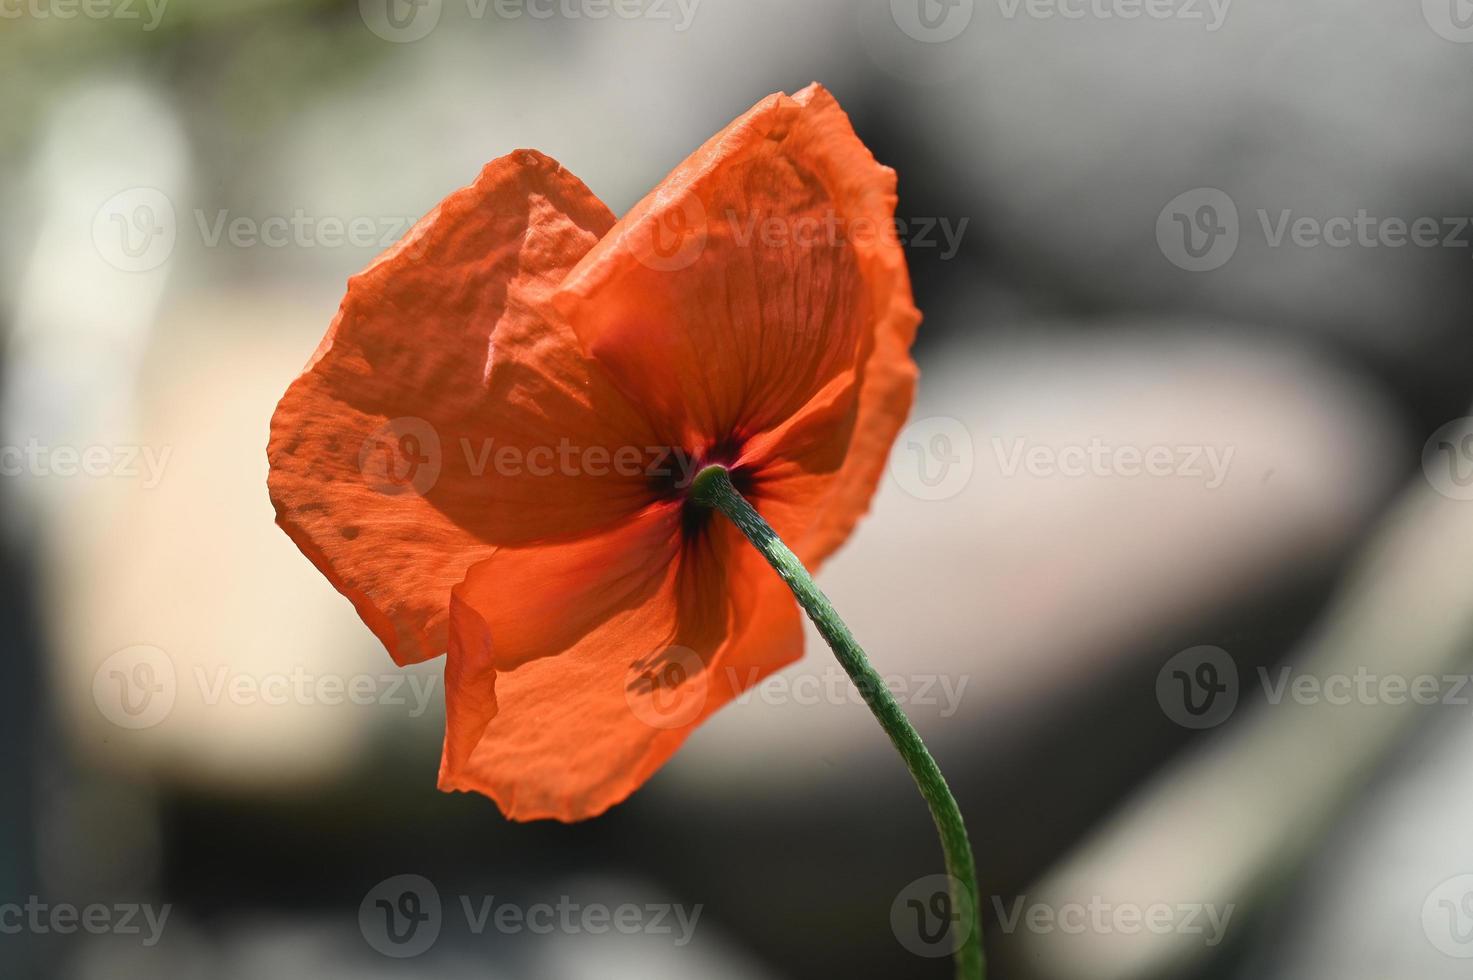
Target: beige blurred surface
column 195, row 568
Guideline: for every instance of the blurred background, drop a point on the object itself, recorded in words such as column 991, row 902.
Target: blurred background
column 1170, row 567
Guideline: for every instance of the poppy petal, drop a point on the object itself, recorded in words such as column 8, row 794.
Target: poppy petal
column 367, row 471
column 540, row 600
column 811, row 502
column 750, row 278
column 567, row 736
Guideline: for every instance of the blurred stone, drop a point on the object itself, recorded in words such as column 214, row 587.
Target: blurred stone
column 1068, row 136
column 1226, row 823
column 193, row 640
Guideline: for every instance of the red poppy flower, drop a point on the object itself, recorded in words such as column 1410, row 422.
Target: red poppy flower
column 490, row 451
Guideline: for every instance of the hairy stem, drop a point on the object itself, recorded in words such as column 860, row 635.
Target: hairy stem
column 713, row 488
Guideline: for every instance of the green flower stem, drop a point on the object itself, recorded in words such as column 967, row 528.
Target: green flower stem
column 713, row 488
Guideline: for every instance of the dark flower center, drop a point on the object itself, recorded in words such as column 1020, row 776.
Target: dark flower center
column 671, row 479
